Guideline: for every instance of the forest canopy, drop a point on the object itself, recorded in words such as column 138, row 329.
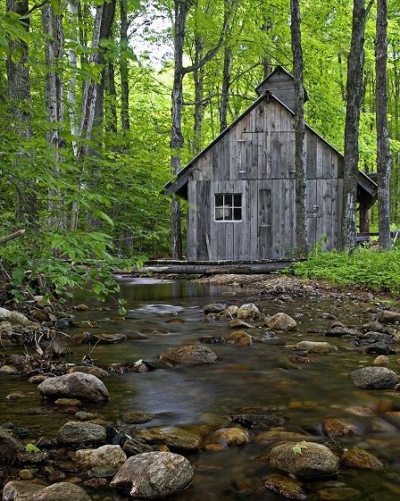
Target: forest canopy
column 87, row 134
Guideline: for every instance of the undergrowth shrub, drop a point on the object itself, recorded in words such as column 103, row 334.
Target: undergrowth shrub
column 364, row 267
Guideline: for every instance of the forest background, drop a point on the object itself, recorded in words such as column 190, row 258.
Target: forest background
column 86, row 131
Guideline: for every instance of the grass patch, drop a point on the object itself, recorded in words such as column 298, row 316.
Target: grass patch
column 365, row 267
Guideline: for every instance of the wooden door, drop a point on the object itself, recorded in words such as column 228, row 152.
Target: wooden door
column 265, row 240
column 314, row 212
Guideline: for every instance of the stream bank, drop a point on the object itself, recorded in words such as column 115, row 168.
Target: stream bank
column 266, row 388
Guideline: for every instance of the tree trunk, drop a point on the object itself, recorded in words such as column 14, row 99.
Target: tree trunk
column 93, row 94
column 123, row 67
column 300, row 161
column 19, row 95
column 226, row 81
column 198, row 78
column 54, row 97
column 176, row 143
column 230, row 7
column 383, row 151
column 111, row 101
column 73, row 9
column 354, row 96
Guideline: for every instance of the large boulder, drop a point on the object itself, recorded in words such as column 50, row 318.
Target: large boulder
column 75, row 385
column 281, row 322
column 19, row 490
column 107, row 456
column 189, row 354
column 77, row 432
column 305, row 459
column 154, row 475
column 214, row 308
column 371, row 378
column 62, row 491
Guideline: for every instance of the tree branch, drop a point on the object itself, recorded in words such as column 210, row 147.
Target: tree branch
column 12, row 236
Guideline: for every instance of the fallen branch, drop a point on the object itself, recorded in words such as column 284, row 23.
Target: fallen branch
column 12, row 236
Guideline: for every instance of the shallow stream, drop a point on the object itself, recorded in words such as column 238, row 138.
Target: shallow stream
column 162, row 314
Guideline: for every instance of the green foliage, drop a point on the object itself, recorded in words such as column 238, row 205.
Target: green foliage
column 365, row 267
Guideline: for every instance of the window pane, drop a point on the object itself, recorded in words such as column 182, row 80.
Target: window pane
column 219, row 200
column 237, row 200
column 237, row 214
column 228, row 200
column 227, row 214
column 219, row 214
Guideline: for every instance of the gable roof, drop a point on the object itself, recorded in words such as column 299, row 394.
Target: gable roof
column 278, row 70
column 364, row 183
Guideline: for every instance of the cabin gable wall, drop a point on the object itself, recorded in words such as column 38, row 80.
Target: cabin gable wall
column 256, row 158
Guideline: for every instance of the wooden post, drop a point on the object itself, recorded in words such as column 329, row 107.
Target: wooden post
column 364, row 218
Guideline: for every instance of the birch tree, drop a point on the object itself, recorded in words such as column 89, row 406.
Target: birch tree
column 54, row 98
column 383, row 151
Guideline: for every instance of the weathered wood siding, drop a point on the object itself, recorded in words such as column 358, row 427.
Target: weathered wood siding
column 256, row 158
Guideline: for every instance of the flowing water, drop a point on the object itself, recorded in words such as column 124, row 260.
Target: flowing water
column 167, row 313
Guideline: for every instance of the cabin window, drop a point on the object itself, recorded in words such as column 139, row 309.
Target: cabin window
column 228, row 207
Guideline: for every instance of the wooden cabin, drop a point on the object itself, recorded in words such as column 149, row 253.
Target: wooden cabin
column 241, row 187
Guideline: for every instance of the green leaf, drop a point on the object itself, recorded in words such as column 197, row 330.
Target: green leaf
column 32, row 448
column 297, row 449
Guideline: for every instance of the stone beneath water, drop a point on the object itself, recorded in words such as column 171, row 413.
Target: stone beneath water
column 77, row 432
column 75, row 385
column 90, row 369
column 189, row 354
column 137, row 417
column 229, row 437
column 381, row 360
column 240, row 338
column 314, row 347
column 282, row 322
column 338, row 494
column 214, row 308
column 108, row 456
column 258, row 420
column 361, row 459
column 8, row 369
column 340, row 331
column 287, row 487
column 239, row 323
column 171, row 436
column 314, row 460
column 371, row 378
column 279, row 435
column 103, row 338
column 154, row 475
column 335, row 429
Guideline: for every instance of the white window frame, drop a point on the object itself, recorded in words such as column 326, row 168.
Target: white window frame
column 231, row 206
